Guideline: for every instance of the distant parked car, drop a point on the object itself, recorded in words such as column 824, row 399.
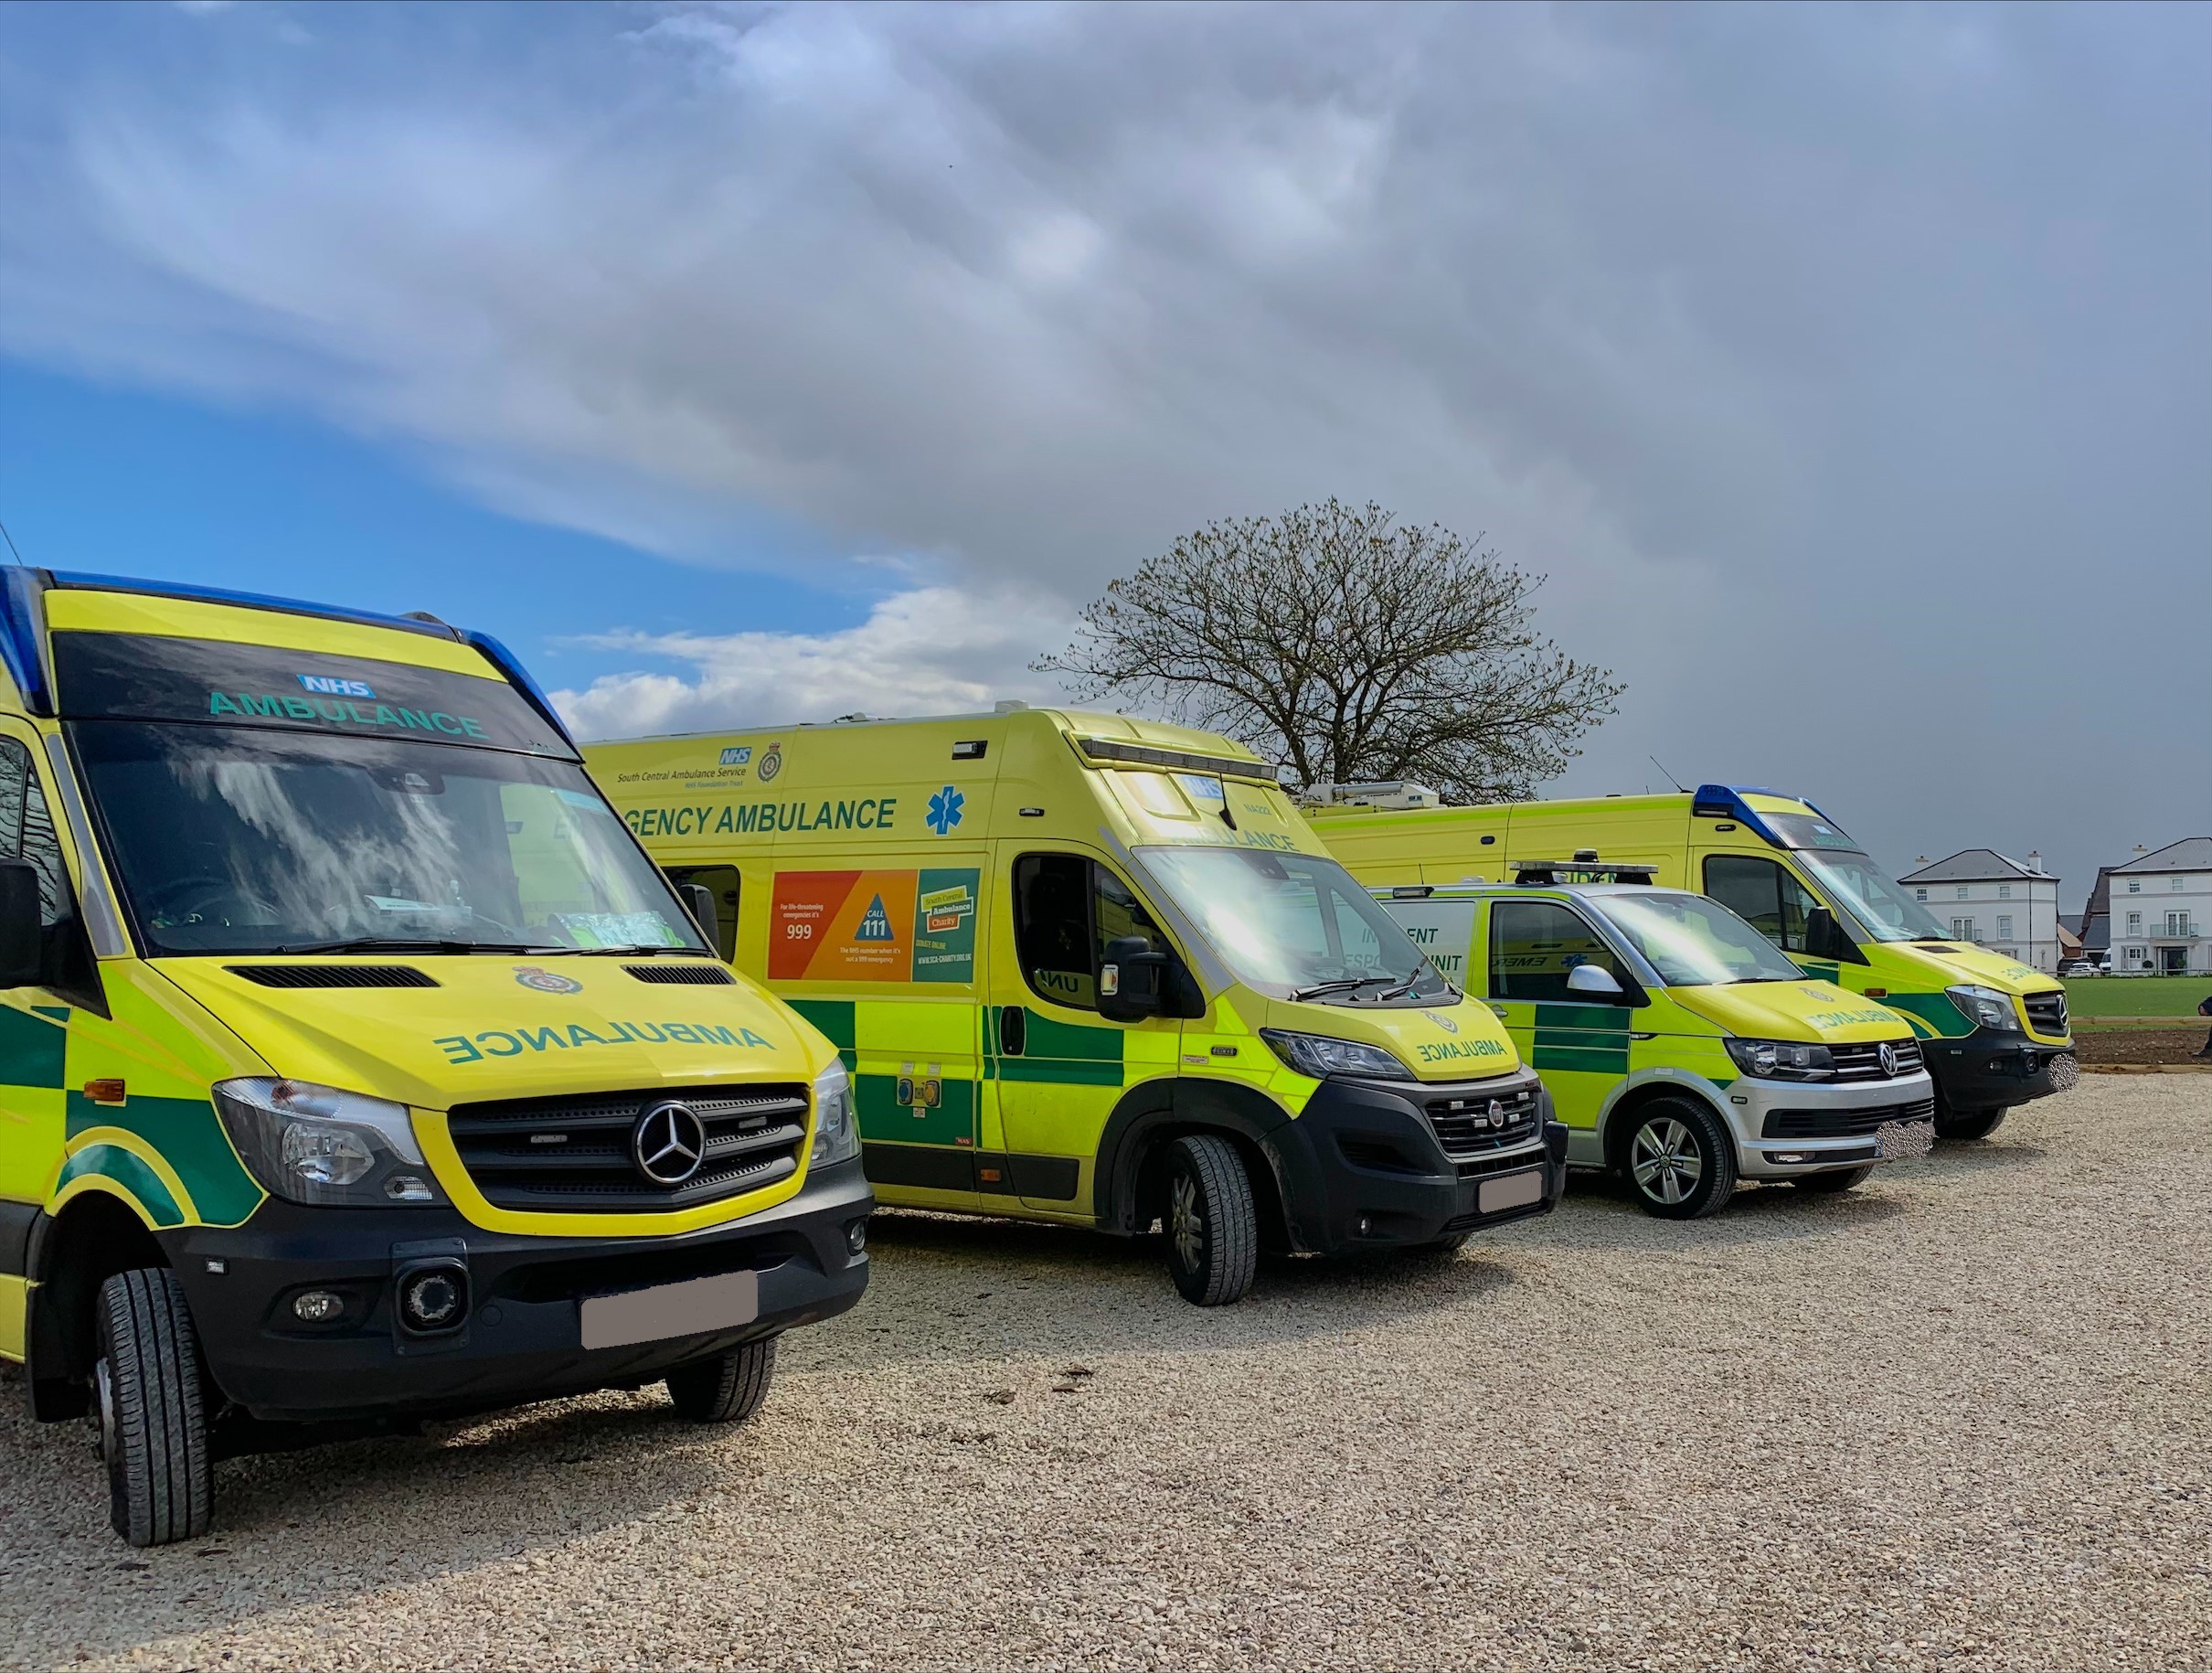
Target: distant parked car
column 2079, row 967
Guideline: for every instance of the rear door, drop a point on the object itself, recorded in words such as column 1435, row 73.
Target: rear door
column 1578, row 1043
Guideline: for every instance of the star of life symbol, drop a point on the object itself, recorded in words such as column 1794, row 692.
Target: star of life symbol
column 944, row 810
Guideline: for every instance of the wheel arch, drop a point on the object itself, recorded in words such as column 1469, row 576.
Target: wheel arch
column 88, row 1236
column 1647, row 1086
column 1125, row 1181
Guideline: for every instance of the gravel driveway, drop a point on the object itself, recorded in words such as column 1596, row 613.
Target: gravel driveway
column 1962, row 1418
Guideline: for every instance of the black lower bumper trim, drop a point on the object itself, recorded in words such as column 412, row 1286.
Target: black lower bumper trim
column 1987, row 1070
column 520, row 1340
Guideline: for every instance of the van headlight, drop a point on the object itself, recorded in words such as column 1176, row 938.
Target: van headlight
column 1321, row 1056
column 1984, row 1007
column 1781, row 1060
column 836, row 1132
column 317, row 1144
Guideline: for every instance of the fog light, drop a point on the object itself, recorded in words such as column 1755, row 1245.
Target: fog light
column 410, row 1187
column 1787, row 1155
column 317, row 1306
column 857, row 1237
column 433, row 1299
column 1366, row 1225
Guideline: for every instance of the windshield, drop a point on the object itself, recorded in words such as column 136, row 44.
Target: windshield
column 1693, row 940
column 1296, row 925
column 230, row 839
column 1887, row 911
column 1808, row 831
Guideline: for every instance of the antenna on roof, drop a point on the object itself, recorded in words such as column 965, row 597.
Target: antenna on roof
column 11, row 544
column 1669, row 777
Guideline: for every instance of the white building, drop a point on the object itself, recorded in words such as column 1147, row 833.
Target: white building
column 1996, row 902
column 2161, row 910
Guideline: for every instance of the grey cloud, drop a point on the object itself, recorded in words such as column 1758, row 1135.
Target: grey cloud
column 1844, row 366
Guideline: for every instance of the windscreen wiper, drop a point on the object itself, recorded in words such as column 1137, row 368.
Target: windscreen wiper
column 410, row 944
column 645, row 951
column 1343, row 984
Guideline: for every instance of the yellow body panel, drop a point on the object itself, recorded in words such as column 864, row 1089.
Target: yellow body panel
column 174, row 618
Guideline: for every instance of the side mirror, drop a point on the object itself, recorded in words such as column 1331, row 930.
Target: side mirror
column 1594, row 980
column 1133, row 980
column 700, row 899
column 22, row 944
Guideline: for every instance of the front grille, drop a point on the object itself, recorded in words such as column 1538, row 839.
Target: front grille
column 334, row 975
column 2047, row 1014
column 1862, row 1059
column 1843, row 1124
column 682, row 976
column 573, row 1153
column 1463, row 1122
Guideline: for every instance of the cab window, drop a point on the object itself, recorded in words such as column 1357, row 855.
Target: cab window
column 1065, row 910
column 1764, row 895
column 26, row 832
column 1535, row 943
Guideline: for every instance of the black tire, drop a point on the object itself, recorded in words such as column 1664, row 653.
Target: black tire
column 1963, row 1125
column 150, row 1410
column 727, row 1389
column 1679, row 1159
column 1835, row 1181
column 1213, row 1228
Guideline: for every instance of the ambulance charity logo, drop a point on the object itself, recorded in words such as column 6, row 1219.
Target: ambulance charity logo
column 771, row 765
column 944, row 810
column 546, row 981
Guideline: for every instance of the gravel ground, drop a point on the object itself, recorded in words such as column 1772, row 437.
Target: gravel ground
column 1959, row 1418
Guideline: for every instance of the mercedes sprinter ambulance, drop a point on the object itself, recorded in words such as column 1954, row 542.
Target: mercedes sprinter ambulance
column 1097, row 971
column 1993, row 1031
column 357, row 1066
column 1682, row 1051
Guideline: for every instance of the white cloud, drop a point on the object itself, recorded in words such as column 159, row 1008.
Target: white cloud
column 928, row 650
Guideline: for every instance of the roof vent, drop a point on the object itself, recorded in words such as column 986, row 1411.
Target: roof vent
column 1381, row 792
column 1007, row 706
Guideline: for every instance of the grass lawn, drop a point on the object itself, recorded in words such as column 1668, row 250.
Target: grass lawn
column 2135, row 995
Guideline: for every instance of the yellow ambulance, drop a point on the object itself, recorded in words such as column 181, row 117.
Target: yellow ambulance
column 1682, row 1049
column 1098, row 971
column 1994, row 1031
column 355, row 1064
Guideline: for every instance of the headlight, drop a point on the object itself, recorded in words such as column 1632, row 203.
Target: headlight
column 837, row 1133
column 317, row 1144
column 1321, row 1057
column 1985, row 1007
column 1781, row 1060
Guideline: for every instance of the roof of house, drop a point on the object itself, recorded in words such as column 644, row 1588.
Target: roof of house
column 2100, row 896
column 2070, row 923
column 2190, row 854
column 1975, row 865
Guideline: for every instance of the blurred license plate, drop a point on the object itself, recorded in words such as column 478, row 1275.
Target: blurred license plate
column 1511, row 1191
column 690, row 1309
column 1899, row 1141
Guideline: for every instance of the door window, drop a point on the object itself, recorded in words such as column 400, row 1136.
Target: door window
column 1764, row 894
column 1535, row 943
column 27, row 831
column 1065, row 910
column 726, row 884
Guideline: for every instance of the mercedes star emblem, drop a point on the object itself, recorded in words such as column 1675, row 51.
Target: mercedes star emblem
column 668, row 1144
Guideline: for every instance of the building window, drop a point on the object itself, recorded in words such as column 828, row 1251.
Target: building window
column 2135, row 925
column 1962, row 929
column 1919, row 894
column 2134, row 886
column 1961, row 892
column 2004, row 926
column 2178, row 925
column 2173, row 883
column 2004, row 891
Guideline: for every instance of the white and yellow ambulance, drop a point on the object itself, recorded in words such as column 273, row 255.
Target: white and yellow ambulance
column 1098, row 971
column 357, row 1066
column 1995, row 1032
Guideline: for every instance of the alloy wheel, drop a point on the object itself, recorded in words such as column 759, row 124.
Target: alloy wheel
column 1665, row 1160
column 1187, row 1223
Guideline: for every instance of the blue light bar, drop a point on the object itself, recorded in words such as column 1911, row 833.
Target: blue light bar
column 500, row 657
column 20, row 645
column 1727, row 802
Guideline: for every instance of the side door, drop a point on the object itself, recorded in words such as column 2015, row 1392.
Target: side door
column 1578, row 1042
column 1774, row 901
column 1059, row 1067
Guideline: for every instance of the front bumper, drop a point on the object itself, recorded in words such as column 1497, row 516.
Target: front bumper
column 1361, row 1166
column 1989, row 1070
column 1787, row 1128
column 520, row 1337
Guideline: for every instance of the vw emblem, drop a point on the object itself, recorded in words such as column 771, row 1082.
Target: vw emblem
column 1497, row 1114
column 668, row 1143
column 1888, row 1060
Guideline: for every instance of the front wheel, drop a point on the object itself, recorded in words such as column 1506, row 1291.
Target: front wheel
column 1837, row 1180
column 1969, row 1123
column 1213, row 1228
column 727, row 1389
column 148, row 1405
column 1679, row 1158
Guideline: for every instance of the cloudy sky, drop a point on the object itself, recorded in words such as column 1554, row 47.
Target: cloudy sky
column 1848, row 370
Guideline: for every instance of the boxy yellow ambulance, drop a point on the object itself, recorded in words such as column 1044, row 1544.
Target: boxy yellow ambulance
column 1993, row 1031
column 355, row 1064
column 1098, row 971
column 1682, row 1049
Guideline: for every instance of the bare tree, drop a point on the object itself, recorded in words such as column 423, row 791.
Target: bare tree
column 1349, row 645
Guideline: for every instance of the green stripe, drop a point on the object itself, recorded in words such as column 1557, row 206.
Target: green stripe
column 191, row 1138
column 883, row 1119
column 1931, row 1013
column 32, row 1052
column 1597, row 1018
column 1045, row 1037
column 1058, row 1071
column 833, row 1017
column 113, row 1162
column 1590, row 1060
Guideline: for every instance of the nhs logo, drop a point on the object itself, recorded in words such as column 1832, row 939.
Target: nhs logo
column 737, row 755
column 321, row 685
